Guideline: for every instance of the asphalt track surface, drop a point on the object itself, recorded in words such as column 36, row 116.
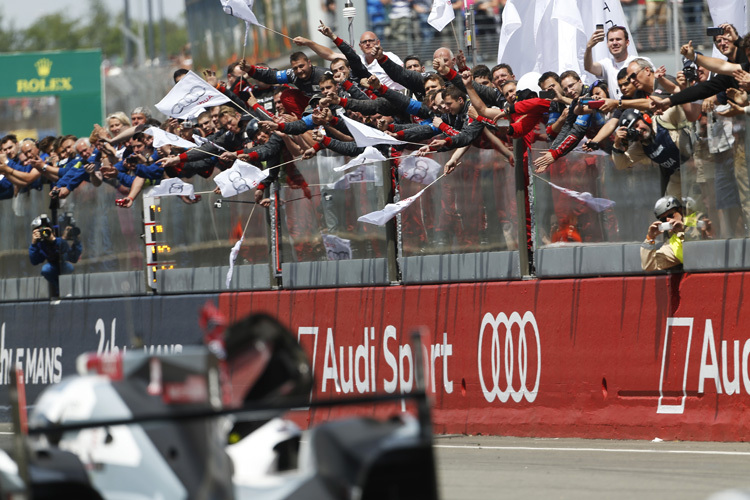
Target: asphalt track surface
column 482, row 467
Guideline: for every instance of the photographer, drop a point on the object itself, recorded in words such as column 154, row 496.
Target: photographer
column 58, row 252
column 659, row 256
column 640, row 137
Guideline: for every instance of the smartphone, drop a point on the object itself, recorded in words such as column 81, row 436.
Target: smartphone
column 714, row 31
column 547, row 94
column 600, row 27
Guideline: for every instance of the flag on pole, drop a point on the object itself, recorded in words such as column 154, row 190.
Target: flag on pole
column 188, row 94
column 367, row 136
column 242, row 9
column 419, row 169
column 361, row 175
column 233, row 257
column 596, row 204
column 337, row 248
column 239, row 178
column 172, row 187
column 369, row 155
column 441, row 14
column 162, row 138
column 380, row 217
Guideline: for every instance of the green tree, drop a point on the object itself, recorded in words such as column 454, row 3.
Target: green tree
column 52, row 32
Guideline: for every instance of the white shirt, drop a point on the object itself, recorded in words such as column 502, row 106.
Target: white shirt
column 610, row 68
column 375, row 69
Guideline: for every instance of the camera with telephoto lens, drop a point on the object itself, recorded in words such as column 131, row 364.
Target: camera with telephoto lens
column 631, row 132
column 691, row 75
column 44, row 225
column 68, row 220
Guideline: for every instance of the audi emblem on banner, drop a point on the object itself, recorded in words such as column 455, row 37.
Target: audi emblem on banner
column 507, row 362
column 192, row 96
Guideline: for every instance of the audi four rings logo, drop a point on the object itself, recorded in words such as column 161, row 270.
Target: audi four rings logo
column 192, row 96
column 505, row 359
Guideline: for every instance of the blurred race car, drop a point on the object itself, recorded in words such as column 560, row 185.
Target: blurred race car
column 207, row 424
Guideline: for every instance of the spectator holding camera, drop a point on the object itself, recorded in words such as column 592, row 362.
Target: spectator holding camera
column 60, row 253
column 670, row 222
column 640, row 137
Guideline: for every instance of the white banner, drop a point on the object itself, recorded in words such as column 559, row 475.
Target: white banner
column 369, row 155
column 367, row 136
column 420, row 169
column 556, row 33
column 596, row 204
column 242, row 9
column 232, row 257
column 361, row 175
column 380, row 217
column 162, row 138
column 240, row 178
column 441, row 14
column 188, row 94
column 172, row 187
column 337, row 248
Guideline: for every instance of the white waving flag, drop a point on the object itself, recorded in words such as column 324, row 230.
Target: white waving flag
column 380, row 217
column 419, row 169
column 596, row 204
column 232, row 257
column 441, row 14
column 188, row 94
column 361, row 175
column 369, row 155
column 337, row 248
column 242, row 9
column 162, row 138
column 367, row 136
column 240, row 178
column 172, row 187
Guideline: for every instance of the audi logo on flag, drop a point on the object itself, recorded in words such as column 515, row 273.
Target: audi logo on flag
column 192, row 96
column 504, row 366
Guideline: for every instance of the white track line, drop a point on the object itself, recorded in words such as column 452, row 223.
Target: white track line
column 603, row 450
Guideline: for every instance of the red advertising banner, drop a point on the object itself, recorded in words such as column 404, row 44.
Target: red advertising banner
column 631, row 357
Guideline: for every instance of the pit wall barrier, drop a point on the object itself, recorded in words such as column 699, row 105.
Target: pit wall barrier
column 622, row 358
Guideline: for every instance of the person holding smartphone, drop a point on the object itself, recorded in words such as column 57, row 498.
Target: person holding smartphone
column 670, row 223
column 618, row 42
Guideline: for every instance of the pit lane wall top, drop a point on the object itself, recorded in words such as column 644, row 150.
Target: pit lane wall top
column 634, row 357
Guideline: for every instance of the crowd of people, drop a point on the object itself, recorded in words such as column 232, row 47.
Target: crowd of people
column 634, row 112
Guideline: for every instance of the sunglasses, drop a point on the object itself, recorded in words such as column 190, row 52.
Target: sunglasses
column 634, row 76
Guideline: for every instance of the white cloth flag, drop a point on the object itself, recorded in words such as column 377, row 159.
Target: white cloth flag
column 419, row 169
column 337, row 248
column 441, row 14
column 359, row 176
column 188, row 94
column 232, row 257
column 199, row 140
column 172, row 187
column 727, row 11
column 380, row 217
column 556, row 31
column 162, row 138
column 369, row 155
column 367, row 136
column 596, row 204
column 242, row 9
column 240, row 178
